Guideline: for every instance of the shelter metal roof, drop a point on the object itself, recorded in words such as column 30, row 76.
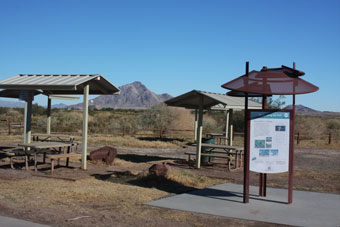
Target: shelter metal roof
column 60, row 84
column 11, row 93
column 190, row 100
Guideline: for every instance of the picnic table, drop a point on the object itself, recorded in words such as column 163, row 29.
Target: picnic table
column 44, row 147
column 219, row 137
column 49, row 137
column 222, row 151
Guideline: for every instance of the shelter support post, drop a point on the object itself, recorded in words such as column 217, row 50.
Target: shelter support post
column 227, row 135
column 28, row 118
column 195, row 126
column 231, row 129
column 199, row 133
column 48, row 128
column 85, row 127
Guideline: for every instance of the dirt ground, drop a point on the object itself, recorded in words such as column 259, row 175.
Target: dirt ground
column 115, row 195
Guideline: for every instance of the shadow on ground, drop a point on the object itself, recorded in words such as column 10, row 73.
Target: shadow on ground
column 160, row 139
column 142, row 158
column 146, row 181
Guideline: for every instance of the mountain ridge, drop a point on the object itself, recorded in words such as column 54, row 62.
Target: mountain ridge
column 134, row 95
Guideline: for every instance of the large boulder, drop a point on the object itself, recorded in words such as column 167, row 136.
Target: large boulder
column 160, row 170
column 106, row 154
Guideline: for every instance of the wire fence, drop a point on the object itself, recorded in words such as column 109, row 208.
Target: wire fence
column 16, row 128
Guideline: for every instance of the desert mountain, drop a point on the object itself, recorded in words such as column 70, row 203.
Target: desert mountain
column 303, row 110
column 12, row 104
column 132, row 96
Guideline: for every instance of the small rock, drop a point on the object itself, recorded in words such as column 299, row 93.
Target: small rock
column 160, row 170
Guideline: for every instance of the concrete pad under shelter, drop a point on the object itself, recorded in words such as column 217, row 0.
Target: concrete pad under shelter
column 307, row 209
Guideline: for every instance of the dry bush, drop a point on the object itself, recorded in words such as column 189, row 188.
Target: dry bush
column 182, row 123
column 312, row 126
column 209, row 124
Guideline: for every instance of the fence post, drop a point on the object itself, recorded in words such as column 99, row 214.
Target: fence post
column 124, row 130
column 329, row 138
column 9, row 127
column 298, row 138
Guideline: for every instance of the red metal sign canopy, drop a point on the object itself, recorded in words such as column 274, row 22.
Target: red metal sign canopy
column 271, row 81
column 267, row 82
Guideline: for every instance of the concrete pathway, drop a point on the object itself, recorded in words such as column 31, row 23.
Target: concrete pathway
column 13, row 222
column 307, row 209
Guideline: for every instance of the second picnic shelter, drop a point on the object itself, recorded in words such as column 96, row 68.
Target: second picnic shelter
column 200, row 101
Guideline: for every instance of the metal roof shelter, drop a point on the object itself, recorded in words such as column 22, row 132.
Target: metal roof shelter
column 269, row 81
column 190, row 100
column 201, row 100
column 26, row 86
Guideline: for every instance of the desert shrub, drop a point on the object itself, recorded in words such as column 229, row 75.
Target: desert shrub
column 156, row 117
column 312, row 126
column 181, row 119
column 333, row 124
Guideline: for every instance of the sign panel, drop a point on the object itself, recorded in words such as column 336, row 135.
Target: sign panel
column 269, row 141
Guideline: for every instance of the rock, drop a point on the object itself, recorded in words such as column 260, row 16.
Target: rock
column 159, row 170
column 106, row 154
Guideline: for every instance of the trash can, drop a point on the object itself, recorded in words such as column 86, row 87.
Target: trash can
column 206, row 150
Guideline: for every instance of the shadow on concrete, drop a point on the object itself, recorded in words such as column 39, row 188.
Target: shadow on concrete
column 227, row 195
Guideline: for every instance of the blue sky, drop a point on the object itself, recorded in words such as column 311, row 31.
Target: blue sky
column 174, row 46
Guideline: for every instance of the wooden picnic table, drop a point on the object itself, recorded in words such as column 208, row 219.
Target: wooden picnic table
column 214, row 134
column 236, row 151
column 220, row 146
column 48, row 137
column 38, row 146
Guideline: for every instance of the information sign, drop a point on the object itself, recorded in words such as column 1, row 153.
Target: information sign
column 269, row 141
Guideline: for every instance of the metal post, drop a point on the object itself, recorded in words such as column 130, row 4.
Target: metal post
column 246, row 154
column 263, row 176
column 291, row 157
column 195, row 126
column 291, row 152
column 48, row 128
column 199, row 133
column 25, row 121
column 28, row 118
column 85, row 127
column 246, row 151
column 227, row 134
column 231, row 128
column 231, row 135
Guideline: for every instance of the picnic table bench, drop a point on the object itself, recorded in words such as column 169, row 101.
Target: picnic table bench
column 15, row 153
column 54, row 157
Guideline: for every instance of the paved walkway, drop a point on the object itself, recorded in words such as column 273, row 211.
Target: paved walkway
column 13, row 222
column 307, row 209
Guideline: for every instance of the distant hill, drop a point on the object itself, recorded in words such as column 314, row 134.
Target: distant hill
column 12, row 104
column 59, row 106
column 132, row 96
column 303, row 110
